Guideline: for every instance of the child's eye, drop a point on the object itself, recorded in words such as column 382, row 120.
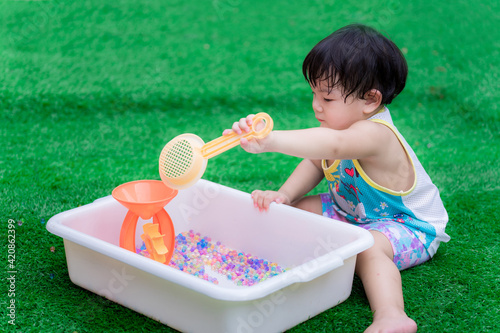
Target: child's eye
column 328, row 100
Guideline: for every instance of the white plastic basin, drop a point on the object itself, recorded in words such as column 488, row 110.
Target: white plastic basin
column 318, row 253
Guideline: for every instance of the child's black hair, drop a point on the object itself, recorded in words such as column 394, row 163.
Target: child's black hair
column 356, row 59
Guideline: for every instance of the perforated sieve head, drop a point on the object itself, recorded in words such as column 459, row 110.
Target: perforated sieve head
column 181, row 162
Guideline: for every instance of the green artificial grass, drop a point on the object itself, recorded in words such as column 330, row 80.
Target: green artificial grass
column 91, row 91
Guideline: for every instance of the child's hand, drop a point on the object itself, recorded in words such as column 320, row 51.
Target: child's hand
column 262, row 199
column 244, row 125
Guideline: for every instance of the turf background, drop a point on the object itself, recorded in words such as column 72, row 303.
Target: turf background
column 90, row 92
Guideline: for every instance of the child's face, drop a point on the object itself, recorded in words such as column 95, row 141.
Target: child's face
column 332, row 109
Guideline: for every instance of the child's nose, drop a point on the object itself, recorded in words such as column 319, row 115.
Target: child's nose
column 316, row 105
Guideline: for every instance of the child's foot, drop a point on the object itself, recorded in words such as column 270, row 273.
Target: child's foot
column 392, row 323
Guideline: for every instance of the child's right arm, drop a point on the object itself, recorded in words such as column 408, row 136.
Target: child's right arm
column 363, row 139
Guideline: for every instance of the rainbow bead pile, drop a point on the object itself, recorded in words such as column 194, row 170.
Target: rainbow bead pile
column 193, row 253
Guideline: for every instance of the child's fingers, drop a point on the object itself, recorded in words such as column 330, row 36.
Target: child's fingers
column 249, row 119
column 241, row 126
column 257, row 197
column 236, row 127
column 263, row 199
column 245, row 124
column 268, row 200
column 243, row 142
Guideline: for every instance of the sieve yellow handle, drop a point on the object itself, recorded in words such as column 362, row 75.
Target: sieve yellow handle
column 226, row 142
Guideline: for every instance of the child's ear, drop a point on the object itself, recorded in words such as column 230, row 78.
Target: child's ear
column 372, row 98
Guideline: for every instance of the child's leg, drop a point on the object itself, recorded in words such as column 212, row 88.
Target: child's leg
column 310, row 203
column 319, row 204
column 382, row 283
column 377, row 266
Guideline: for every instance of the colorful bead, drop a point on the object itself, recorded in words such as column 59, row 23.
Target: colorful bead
column 193, row 253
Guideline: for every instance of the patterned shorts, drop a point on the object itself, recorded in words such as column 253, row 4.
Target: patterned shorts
column 407, row 248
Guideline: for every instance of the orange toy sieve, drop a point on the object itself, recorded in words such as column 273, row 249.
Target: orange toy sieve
column 184, row 159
